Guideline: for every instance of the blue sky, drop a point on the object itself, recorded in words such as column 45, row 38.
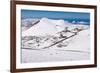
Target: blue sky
column 54, row 14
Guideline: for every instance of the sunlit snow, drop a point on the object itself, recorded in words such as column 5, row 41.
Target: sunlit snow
column 46, row 40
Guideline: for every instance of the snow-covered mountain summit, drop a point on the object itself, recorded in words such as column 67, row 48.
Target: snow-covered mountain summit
column 45, row 27
column 52, row 21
